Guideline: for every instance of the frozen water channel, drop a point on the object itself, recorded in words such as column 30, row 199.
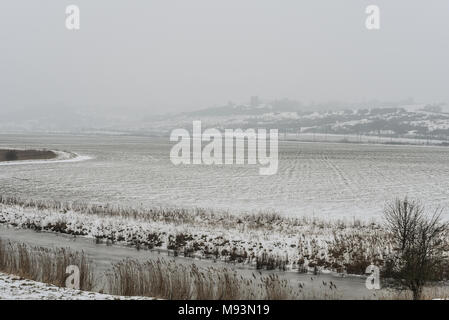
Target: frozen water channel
column 101, row 255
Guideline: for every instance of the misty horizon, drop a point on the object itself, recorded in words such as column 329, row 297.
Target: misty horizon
column 159, row 58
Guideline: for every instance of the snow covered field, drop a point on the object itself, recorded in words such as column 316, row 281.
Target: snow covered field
column 328, row 180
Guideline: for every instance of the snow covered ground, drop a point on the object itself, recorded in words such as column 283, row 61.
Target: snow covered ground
column 326, row 180
column 16, row 288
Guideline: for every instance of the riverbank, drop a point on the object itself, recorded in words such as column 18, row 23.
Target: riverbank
column 112, row 261
column 137, row 273
column 265, row 241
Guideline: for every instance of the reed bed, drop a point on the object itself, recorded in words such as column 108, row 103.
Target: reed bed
column 261, row 220
column 169, row 280
column 154, row 278
column 44, row 265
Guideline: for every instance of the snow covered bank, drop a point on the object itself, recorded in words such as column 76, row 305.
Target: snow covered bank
column 265, row 241
column 16, row 288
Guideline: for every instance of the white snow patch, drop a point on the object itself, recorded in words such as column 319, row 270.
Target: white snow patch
column 16, row 288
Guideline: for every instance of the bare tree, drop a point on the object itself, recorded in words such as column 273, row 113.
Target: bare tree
column 420, row 242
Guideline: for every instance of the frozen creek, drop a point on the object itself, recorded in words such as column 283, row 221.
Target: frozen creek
column 101, row 255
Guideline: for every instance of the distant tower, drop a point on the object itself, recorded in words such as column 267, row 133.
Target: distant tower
column 254, row 101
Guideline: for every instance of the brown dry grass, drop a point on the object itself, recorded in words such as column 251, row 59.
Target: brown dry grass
column 44, row 265
column 429, row 293
column 169, row 280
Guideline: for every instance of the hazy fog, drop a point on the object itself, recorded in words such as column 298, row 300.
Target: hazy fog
column 179, row 55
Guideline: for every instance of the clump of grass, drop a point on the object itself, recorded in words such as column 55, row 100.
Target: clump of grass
column 271, row 262
column 429, row 293
column 44, row 265
column 277, row 289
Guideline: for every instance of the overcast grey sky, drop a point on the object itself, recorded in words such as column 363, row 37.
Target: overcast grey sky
column 178, row 55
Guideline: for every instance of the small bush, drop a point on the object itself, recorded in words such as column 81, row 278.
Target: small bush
column 11, row 155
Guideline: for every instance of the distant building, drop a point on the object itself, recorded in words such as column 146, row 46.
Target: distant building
column 254, row 102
